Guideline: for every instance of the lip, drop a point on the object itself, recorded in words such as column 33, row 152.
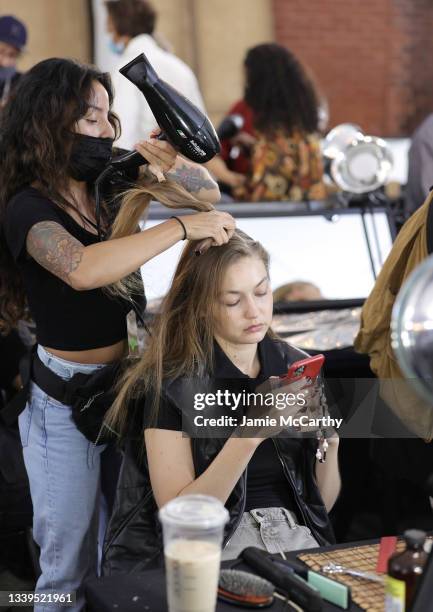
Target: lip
column 254, row 328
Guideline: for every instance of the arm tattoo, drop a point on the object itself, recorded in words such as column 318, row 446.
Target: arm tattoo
column 54, row 248
column 191, row 178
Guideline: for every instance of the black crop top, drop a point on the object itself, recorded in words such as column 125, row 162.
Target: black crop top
column 65, row 319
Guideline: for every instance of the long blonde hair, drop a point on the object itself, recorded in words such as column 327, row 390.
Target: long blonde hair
column 134, row 206
column 182, row 334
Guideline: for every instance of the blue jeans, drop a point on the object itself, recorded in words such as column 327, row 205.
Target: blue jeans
column 64, row 472
column 271, row 529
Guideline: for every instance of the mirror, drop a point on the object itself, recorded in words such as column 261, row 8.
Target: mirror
column 412, row 329
column 327, row 247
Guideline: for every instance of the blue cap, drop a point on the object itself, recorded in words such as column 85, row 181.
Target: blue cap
column 13, row 32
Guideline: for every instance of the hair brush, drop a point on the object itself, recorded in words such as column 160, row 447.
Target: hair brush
column 248, row 590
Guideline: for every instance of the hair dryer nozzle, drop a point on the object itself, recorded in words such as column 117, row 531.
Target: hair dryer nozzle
column 140, row 72
column 187, row 129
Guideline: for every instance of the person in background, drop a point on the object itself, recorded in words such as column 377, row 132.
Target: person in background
column 276, row 155
column 420, row 168
column 298, row 291
column 403, row 463
column 231, row 167
column 13, row 38
column 130, row 24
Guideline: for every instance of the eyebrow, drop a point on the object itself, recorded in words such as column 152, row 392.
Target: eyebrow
column 258, row 285
column 92, row 106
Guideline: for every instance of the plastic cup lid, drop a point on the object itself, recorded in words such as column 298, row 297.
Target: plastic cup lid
column 194, row 511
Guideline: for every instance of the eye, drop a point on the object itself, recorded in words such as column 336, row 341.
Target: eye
column 262, row 294
column 92, row 120
column 233, row 304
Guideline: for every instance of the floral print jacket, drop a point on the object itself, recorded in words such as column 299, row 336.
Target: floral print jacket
column 285, row 168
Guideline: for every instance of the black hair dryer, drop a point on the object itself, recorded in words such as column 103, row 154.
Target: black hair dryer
column 185, row 127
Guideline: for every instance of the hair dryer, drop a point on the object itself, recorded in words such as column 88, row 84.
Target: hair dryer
column 185, row 127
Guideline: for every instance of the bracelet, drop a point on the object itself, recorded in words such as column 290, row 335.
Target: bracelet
column 185, row 235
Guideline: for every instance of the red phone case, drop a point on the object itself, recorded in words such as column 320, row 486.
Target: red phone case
column 306, row 368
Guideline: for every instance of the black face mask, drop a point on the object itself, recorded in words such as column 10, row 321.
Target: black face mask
column 89, row 157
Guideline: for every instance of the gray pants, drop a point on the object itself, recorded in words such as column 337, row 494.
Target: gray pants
column 271, row 529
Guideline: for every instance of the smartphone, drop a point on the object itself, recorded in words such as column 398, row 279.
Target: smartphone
column 306, row 368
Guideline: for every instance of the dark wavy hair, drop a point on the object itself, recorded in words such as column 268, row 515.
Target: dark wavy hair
column 36, row 138
column 279, row 91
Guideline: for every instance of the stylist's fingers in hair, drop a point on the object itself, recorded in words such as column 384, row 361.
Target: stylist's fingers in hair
column 230, row 231
column 229, row 223
column 221, row 237
column 213, row 224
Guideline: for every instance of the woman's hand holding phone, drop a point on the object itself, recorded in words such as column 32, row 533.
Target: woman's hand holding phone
column 270, row 415
column 280, row 402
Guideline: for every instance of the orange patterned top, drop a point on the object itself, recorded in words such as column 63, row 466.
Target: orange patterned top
column 285, row 168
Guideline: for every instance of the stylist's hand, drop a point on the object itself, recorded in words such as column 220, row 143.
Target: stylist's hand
column 215, row 224
column 159, row 153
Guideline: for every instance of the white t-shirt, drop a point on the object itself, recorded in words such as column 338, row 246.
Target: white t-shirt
column 130, row 105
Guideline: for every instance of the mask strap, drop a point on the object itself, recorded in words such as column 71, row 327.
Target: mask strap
column 101, row 234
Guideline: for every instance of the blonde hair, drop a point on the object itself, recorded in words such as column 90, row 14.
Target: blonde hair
column 183, row 333
column 134, row 206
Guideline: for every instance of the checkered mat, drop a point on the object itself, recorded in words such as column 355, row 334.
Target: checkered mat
column 366, row 594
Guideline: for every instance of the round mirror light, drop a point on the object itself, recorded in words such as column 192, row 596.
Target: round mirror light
column 412, row 329
column 363, row 166
column 339, row 138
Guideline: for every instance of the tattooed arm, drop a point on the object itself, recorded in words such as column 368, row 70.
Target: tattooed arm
column 195, row 179
column 97, row 265
column 55, row 249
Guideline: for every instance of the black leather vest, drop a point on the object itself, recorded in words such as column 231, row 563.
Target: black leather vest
column 133, row 542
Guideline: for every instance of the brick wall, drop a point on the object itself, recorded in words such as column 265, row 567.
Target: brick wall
column 372, row 59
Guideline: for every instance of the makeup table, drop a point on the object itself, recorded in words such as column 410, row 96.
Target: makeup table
column 145, row 592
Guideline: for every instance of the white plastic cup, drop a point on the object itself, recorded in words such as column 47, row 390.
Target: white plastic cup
column 193, row 527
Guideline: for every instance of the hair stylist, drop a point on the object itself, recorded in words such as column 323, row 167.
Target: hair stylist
column 57, row 133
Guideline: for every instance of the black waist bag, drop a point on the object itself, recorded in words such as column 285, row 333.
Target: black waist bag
column 90, row 397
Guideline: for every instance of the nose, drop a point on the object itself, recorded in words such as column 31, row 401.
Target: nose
column 108, row 130
column 251, row 309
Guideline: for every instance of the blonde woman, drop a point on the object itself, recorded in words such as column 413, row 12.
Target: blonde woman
column 214, row 332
